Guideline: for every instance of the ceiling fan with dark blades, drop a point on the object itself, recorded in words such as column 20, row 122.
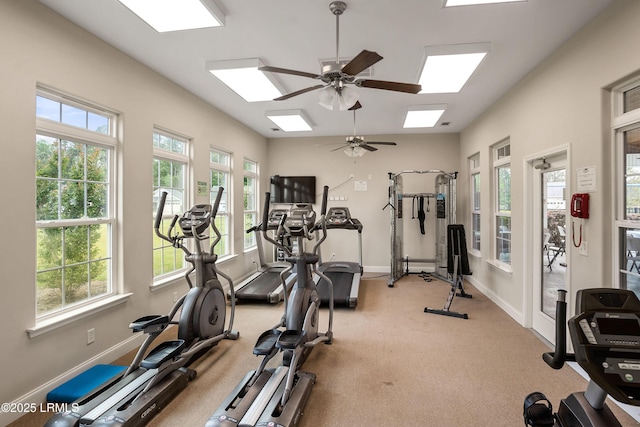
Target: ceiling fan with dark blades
column 335, row 77
column 356, row 145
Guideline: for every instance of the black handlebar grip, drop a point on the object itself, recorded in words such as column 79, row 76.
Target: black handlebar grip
column 163, row 198
column 325, row 194
column 216, row 204
column 265, row 211
column 559, row 356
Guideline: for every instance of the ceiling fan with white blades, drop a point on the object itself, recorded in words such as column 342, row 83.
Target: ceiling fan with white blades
column 336, row 78
column 356, row 145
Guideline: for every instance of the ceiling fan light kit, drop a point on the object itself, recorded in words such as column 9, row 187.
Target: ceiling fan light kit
column 336, row 77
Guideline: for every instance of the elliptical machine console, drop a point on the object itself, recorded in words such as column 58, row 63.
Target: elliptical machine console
column 605, row 334
column 195, row 219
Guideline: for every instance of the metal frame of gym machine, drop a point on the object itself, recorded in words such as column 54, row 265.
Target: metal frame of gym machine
column 445, row 188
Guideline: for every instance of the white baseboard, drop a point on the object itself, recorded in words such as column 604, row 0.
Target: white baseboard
column 376, row 269
column 517, row 315
column 39, row 395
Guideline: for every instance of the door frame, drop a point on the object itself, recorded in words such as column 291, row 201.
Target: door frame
column 533, row 257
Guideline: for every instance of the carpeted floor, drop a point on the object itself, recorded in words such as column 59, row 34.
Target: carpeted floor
column 391, row 364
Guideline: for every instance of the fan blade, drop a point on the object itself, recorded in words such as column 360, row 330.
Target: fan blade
column 381, row 143
column 367, row 147
column 356, row 106
column 395, row 86
column 298, row 92
column 342, row 147
column 361, row 62
column 287, row 71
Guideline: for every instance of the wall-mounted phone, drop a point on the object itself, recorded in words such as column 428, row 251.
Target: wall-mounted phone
column 580, row 205
column 579, row 209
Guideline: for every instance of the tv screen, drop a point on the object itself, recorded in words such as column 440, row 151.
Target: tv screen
column 293, row 189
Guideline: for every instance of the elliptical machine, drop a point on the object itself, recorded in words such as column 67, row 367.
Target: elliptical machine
column 151, row 382
column 605, row 333
column 277, row 396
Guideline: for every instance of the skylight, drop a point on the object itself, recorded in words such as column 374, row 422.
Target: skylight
column 175, row 15
column 450, row 3
column 244, row 78
column 423, row 116
column 446, row 69
column 289, row 120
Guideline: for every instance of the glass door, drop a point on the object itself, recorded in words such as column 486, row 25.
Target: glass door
column 551, row 262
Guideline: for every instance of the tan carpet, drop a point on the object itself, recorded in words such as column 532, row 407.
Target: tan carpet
column 391, row 364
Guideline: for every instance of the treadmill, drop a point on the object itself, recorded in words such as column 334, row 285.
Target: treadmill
column 344, row 275
column 265, row 284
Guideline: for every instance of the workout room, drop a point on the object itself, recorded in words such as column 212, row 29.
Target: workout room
column 431, row 259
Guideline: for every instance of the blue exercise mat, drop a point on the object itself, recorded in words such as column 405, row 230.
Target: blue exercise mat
column 84, row 383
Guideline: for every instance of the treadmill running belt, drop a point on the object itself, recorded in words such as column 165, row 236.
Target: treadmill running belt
column 261, row 287
column 341, row 288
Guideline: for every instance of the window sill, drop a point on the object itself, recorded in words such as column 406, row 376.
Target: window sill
column 501, row 266
column 474, row 253
column 56, row 322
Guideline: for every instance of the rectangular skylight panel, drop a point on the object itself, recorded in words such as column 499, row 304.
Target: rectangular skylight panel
column 175, row 15
column 422, row 118
column 448, row 73
column 449, row 3
column 289, row 122
column 250, row 83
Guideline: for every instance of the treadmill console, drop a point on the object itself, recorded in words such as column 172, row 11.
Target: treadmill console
column 606, row 339
column 338, row 216
column 198, row 217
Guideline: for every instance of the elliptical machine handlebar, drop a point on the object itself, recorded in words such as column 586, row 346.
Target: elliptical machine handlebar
column 559, row 356
column 214, row 212
column 174, row 240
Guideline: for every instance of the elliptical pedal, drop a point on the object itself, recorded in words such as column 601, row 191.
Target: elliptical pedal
column 266, row 342
column 538, row 411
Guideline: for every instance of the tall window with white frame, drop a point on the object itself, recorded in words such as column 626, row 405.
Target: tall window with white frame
column 170, row 164
column 220, row 171
column 250, row 193
column 474, row 169
column 502, row 188
column 626, row 130
column 75, row 216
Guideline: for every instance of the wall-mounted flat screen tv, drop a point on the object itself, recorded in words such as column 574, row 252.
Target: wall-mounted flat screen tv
column 293, row 189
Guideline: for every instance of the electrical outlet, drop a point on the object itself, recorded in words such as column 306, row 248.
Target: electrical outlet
column 351, row 176
column 91, row 336
column 583, row 249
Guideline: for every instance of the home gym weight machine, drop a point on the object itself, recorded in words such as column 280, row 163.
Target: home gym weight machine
column 151, row 382
column 276, row 396
column 451, row 262
column 445, row 195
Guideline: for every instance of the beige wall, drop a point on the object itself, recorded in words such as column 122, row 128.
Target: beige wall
column 313, row 156
column 40, row 47
column 561, row 102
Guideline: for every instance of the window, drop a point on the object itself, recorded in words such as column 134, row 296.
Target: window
column 626, row 131
column 170, row 163
column 75, row 151
column 250, row 192
column 219, row 177
column 474, row 168
column 502, row 188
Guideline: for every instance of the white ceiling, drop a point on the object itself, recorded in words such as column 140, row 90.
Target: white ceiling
column 297, row 34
